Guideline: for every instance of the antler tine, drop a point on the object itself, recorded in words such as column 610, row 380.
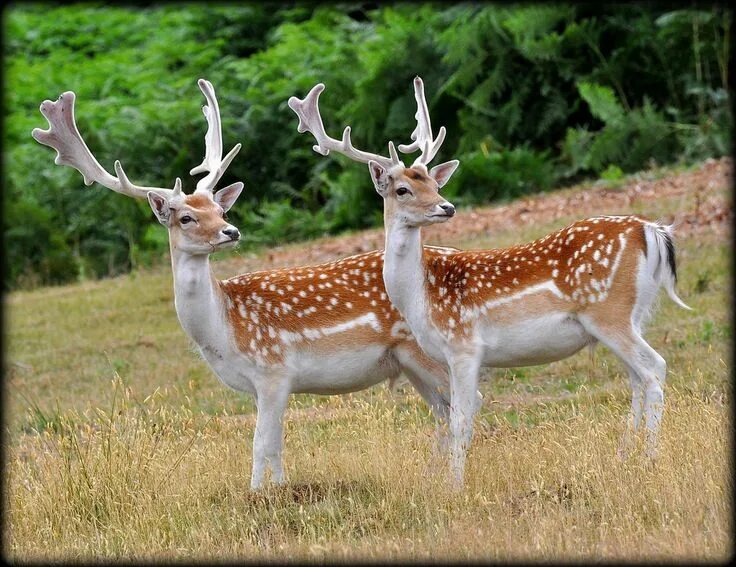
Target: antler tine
column 64, row 137
column 310, row 121
column 422, row 134
column 213, row 162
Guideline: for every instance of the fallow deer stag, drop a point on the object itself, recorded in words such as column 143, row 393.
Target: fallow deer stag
column 326, row 329
column 595, row 280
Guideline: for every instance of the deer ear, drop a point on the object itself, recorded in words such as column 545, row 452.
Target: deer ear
column 441, row 173
column 379, row 175
column 160, row 207
column 227, row 196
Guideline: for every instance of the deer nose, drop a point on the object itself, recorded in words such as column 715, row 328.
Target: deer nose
column 231, row 232
column 449, row 209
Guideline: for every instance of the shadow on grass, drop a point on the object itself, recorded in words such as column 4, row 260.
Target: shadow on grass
column 310, row 493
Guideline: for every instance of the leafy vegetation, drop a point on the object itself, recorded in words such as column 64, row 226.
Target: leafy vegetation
column 533, row 96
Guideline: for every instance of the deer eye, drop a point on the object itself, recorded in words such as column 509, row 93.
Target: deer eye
column 402, row 191
column 185, row 219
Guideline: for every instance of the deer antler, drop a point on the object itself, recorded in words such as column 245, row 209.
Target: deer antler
column 64, row 137
column 310, row 121
column 213, row 161
column 422, row 134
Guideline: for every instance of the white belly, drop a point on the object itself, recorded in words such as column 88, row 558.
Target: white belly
column 341, row 371
column 533, row 341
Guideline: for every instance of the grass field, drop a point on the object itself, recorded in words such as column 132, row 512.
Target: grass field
column 120, row 443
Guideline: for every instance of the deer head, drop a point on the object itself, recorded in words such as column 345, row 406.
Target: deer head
column 411, row 194
column 195, row 222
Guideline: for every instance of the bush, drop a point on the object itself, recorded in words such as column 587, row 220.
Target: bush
column 502, row 174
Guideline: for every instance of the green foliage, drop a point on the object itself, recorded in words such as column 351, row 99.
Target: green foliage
column 501, row 175
column 602, row 102
column 628, row 140
column 280, row 220
column 612, row 173
column 532, row 96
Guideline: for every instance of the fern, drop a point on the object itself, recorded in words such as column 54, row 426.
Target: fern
column 555, row 111
column 533, row 30
column 602, row 101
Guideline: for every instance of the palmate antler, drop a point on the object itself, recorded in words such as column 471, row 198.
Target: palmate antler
column 310, row 121
column 213, row 162
column 422, row 134
column 64, row 137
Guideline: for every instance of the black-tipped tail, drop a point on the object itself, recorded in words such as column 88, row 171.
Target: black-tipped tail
column 671, row 260
column 666, row 264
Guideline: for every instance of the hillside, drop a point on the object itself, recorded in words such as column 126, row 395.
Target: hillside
column 483, row 226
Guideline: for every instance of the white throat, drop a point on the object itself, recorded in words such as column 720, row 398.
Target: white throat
column 403, row 275
column 198, row 302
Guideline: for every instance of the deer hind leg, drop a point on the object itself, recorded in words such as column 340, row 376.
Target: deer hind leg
column 652, row 371
column 268, row 435
column 647, row 372
column 464, row 368
column 637, row 406
column 431, row 380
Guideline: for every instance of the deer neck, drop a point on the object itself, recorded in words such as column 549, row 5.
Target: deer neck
column 404, row 278
column 198, row 299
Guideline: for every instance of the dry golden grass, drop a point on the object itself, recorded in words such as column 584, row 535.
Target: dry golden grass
column 120, row 443
column 144, row 481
